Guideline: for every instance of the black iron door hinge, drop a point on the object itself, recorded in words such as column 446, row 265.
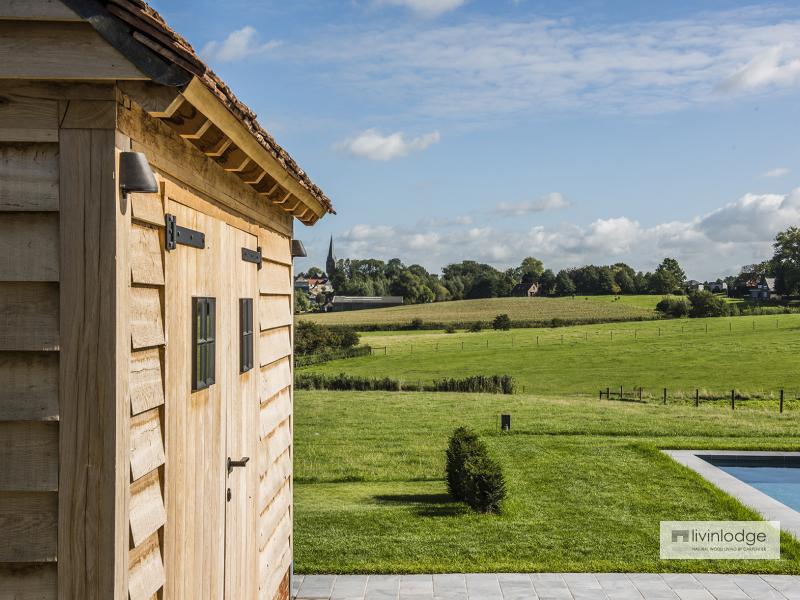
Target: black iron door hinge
column 176, row 234
column 252, row 256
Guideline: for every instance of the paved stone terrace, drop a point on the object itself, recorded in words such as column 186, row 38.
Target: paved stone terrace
column 547, row 586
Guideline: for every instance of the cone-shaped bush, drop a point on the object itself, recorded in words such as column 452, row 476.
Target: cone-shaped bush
column 485, row 486
column 463, row 443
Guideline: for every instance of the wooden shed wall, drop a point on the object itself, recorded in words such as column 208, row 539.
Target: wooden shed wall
column 57, row 339
column 190, row 178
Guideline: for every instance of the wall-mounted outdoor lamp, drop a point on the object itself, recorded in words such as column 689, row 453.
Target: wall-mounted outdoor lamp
column 135, row 174
column 298, row 250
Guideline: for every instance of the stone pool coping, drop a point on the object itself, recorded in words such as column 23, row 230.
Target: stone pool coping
column 767, row 506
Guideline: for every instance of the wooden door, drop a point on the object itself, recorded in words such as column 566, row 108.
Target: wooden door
column 210, row 534
column 241, row 568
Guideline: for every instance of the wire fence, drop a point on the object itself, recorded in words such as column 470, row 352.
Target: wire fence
column 781, row 399
column 732, row 329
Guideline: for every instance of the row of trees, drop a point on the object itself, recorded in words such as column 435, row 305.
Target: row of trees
column 470, row 279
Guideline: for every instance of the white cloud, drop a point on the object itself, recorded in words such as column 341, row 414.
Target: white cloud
column 777, row 172
column 489, row 68
column 779, row 65
column 445, row 221
column 426, row 8
column 372, row 144
column 708, row 245
column 238, row 45
column 552, row 201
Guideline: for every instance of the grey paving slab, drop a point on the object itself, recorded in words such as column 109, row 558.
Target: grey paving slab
column 516, row 586
column 316, row 587
column 484, row 585
column 383, row 587
column 547, row 586
column 349, row 587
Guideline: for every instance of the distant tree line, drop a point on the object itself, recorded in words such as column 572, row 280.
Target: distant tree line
column 470, row 279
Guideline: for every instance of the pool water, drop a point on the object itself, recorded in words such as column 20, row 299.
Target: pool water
column 778, row 477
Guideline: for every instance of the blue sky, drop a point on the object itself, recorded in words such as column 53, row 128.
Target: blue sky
column 590, row 131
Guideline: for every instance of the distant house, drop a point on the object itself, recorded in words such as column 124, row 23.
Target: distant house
column 342, row 303
column 718, row 287
column 301, row 284
column 762, row 288
column 525, row 289
column 693, row 285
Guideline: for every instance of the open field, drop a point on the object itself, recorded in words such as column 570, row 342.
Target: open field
column 755, row 355
column 587, row 483
column 587, row 308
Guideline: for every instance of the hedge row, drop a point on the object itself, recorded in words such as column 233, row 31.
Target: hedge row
column 478, row 325
column 472, row 475
column 489, row 384
column 304, row 360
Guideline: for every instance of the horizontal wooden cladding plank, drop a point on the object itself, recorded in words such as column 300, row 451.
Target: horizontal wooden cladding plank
column 23, row 118
column 60, row 50
column 270, row 516
column 29, row 246
column 274, row 311
column 274, row 278
column 277, row 470
column 146, row 325
column 28, row 176
column 275, row 575
column 33, row 581
column 48, row 10
column 147, row 443
column 146, row 383
column 275, row 247
column 274, row 377
column 28, row 316
column 148, row 208
column 146, row 572
column 29, row 389
column 147, row 512
column 146, row 257
column 29, row 524
column 29, row 456
column 272, row 548
column 274, row 345
column 275, row 411
column 277, row 441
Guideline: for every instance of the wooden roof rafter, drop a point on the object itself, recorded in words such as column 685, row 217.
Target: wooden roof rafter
column 217, row 138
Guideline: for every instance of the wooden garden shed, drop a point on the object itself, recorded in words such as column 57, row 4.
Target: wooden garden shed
column 145, row 315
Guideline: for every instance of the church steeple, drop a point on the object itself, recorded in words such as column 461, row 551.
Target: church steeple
column 330, row 263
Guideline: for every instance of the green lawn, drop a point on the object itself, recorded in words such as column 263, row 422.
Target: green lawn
column 586, row 308
column 587, row 483
column 755, row 355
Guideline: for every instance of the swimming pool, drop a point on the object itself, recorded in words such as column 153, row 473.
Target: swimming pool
column 776, row 476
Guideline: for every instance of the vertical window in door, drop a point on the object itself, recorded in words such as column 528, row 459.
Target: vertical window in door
column 245, row 334
column 203, row 342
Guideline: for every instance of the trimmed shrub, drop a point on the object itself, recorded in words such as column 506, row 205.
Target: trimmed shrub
column 416, row 323
column 490, row 384
column 463, row 443
column 305, row 360
column 486, row 384
column 502, row 322
column 485, row 485
column 706, row 304
column 450, row 329
column 475, row 327
column 673, row 307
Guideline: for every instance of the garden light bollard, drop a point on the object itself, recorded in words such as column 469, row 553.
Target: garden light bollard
column 505, row 422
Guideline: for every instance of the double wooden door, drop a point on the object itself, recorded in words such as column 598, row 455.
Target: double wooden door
column 211, row 413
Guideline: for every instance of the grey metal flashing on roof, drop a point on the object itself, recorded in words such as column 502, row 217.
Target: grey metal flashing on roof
column 119, row 35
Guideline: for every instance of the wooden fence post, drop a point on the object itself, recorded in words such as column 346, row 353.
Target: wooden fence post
column 781, row 400
column 601, row 394
column 640, row 393
column 608, row 393
column 620, row 393
column 696, row 398
column 733, row 399
column 665, row 395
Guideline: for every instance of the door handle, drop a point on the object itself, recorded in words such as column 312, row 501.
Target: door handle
column 242, row 462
